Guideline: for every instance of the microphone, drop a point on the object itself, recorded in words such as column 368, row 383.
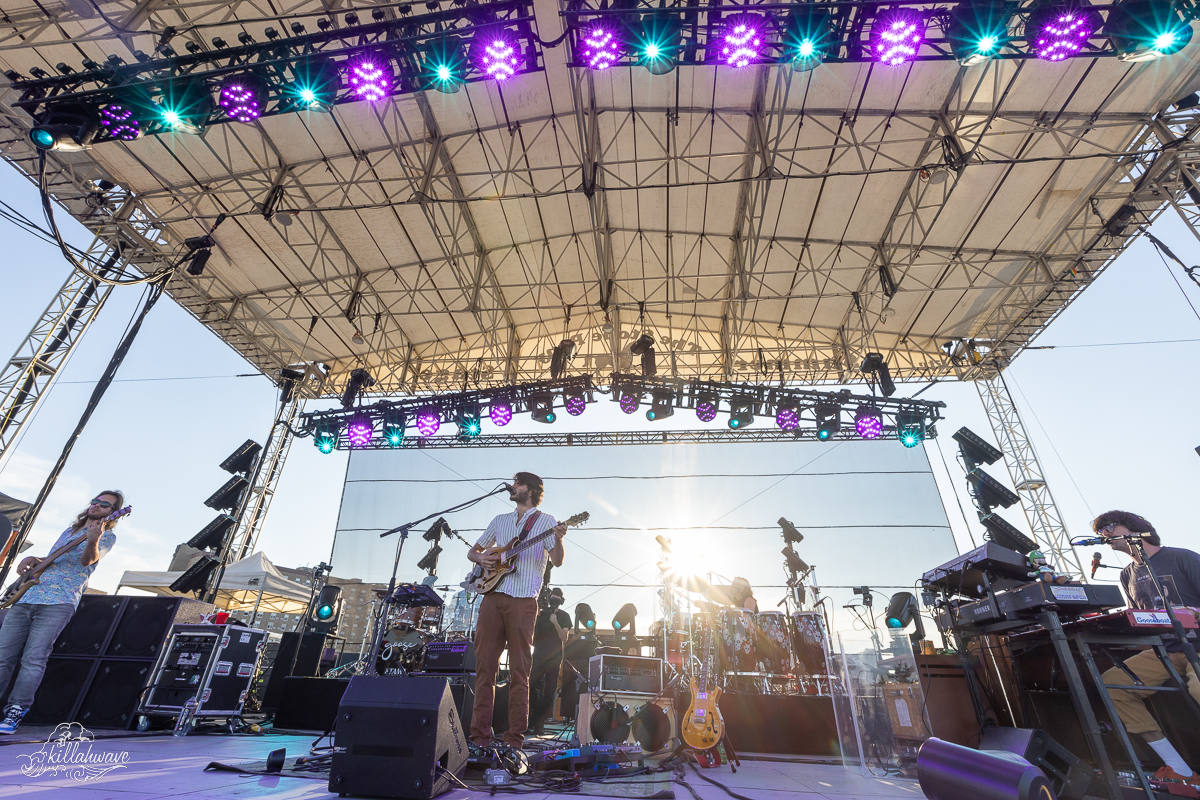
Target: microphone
column 1107, row 539
column 1095, row 563
column 507, row 487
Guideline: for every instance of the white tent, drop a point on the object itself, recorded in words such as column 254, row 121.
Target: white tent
column 252, row 583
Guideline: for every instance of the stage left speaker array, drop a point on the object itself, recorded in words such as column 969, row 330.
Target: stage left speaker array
column 101, row 661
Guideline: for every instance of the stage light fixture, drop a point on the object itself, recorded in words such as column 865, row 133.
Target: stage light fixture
column 974, row 449
column 901, row 610
column 741, row 412
column 244, row 97
column 359, row 431
column 429, row 561
column 625, row 620
column 706, row 407
column 794, row 562
column 1003, row 533
column 326, row 609
column 497, row 55
column 599, row 45
column 585, row 618
column 469, row 422
column 742, row 40
column 575, row 401
column 326, row 438
column 1143, row 30
column 896, row 35
column 500, row 412
column 186, row 105
column 541, row 407
column 808, row 36
column 371, row 76
column 564, row 351
column 989, row 492
column 659, row 43
column 445, row 64
column 212, row 536
column 789, row 532
column 662, row 405
column 429, row 419
column 198, row 261
column 359, row 381
column 393, row 428
column 630, row 398
column 829, row 420
column 1058, row 31
column 228, row 496
column 867, row 422
column 910, row 427
column 120, row 122
column 644, row 347
column 195, row 577
column 873, row 364
column 977, row 30
column 318, row 80
column 67, row 129
column 242, row 459
column 787, row 418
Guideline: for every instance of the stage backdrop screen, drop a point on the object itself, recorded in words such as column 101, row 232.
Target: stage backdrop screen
column 869, row 511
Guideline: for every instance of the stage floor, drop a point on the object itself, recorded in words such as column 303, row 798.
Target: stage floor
column 165, row 766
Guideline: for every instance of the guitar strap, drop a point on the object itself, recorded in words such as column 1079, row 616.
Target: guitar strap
column 528, row 525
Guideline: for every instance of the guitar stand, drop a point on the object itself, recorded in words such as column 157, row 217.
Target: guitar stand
column 710, row 757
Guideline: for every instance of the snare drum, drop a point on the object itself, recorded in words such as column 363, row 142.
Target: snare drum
column 774, row 654
column 736, row 629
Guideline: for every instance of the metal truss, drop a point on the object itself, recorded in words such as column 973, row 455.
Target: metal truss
column 1045, row 520
column 245, row 537
column 593, row 439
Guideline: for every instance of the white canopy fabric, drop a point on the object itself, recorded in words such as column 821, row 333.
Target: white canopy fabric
column 252, row 582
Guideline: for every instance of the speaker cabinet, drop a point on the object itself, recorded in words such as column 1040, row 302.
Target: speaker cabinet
column 146, row 621
column 309, row 704
column 1069, row 775
column 61, row 690
column 402, row 738
column 112, row 697
column 307, row 664
column 88, row 632
column 626, row 718
column 462, row 687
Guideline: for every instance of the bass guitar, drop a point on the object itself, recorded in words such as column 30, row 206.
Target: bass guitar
column 24, row 583
column 483, row 581
column 703, row 726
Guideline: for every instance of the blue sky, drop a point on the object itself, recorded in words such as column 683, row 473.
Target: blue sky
column 1113, row 425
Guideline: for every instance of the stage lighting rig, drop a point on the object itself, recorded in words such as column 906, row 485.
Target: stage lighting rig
column 787, row 416
column 212, row 536
column 195, row 577
column 541, row 407
column 808, row 36
column 989, row 492
column 66, row 129
column 326, row 438
column 874, row 365
column 790, row 534
column 625, row 621
column 1144, row 30
column 661, row 406
column 867, row 421
column 628, row 398
column 469, row 421
column 326, row 609
column 585, row 619
column 978, row 30
column 794, row 562
column 429, row 420
column 360, row 380
column 706, row 406
column 644, row 347
column 393, row 428
column 575, row 401
column 974, row 449
column 563, row 353
column 241, row 461
column 910, row 427
column 903, row 609
column 659, row 42
column 829, row 420
column 1002, row 532
column 1058, row 29
column 360, row 430
column 741, row 412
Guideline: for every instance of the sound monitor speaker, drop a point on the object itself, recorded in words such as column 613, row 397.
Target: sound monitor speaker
column 309, row 704
column 462, row 687
column 88, row 632
column 949, row 771
column 60, row 692
column 1069, row 775
column 113, row 695
column 146, row 622
column 402, row 738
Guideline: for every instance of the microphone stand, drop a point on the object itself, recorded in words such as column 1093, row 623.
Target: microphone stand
column 386, row 606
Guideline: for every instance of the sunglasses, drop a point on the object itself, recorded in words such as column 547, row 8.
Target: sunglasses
column 1107, row 529
column 102, row 503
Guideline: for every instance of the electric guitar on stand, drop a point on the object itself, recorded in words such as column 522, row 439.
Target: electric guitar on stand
column 483, row 581
column 17, row 589
column 703, row 726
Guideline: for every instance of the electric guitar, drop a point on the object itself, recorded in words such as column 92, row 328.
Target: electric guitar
column 703, row 726
column 24, row 583
column 483, row 581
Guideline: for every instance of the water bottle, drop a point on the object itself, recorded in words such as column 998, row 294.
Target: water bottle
column 187, row 717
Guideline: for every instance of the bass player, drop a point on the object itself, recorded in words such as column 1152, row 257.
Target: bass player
column 507, row 614
column 35, row 621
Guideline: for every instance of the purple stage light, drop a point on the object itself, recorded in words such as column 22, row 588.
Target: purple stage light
column 629, row 403
column 787, row 418
column 1062, row 32
column 706, row 410
column 867, row 422
column 428, row 421
column 359, row 431
column 897, row 35
column 742, row 41
column 576, row 404
column 242, row 100
column 498, row 57
column 600, row 46
column 370, row 77
column 120, row 123
column 500, row 413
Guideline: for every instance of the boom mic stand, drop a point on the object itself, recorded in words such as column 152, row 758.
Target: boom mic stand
column 386, row 606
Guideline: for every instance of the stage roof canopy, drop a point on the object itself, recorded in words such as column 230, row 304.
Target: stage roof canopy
column 760, row 223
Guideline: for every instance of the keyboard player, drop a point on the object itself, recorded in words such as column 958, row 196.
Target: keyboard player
column 1178, row 571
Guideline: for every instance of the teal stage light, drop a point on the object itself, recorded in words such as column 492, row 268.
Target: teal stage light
column 658, row 44
column 326, row 439
column 316, row 84
column 393, row 429
column 1144, row 30
column 807, row 37
column 977, row 31
column 186, row 106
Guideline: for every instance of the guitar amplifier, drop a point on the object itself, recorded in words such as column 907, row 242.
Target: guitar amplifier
column 625, row 674
column 453, row 658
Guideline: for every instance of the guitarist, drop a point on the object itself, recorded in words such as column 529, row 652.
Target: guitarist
column 507, row 615
column 35, row 621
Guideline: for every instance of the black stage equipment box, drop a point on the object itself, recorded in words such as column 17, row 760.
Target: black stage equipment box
column 1015, row 608
column 215, row 664
column 397, row 736
column 462, row 686
column 309, row 704
column 625, row 674
column 449, row 657
column 965, row 575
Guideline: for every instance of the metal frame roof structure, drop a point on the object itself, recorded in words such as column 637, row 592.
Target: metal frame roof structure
column 761, row 224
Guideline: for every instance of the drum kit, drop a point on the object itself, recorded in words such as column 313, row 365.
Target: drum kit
column 411, row 627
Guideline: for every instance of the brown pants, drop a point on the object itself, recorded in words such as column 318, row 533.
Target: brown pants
column 503, row 620
column 1130, row 704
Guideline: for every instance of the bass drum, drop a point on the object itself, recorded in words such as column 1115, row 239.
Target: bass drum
column 774, row 652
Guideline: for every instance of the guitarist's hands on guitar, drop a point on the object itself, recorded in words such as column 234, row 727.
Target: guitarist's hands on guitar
column 28, row 564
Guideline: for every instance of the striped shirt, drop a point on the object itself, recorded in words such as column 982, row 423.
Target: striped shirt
column 526, row 579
